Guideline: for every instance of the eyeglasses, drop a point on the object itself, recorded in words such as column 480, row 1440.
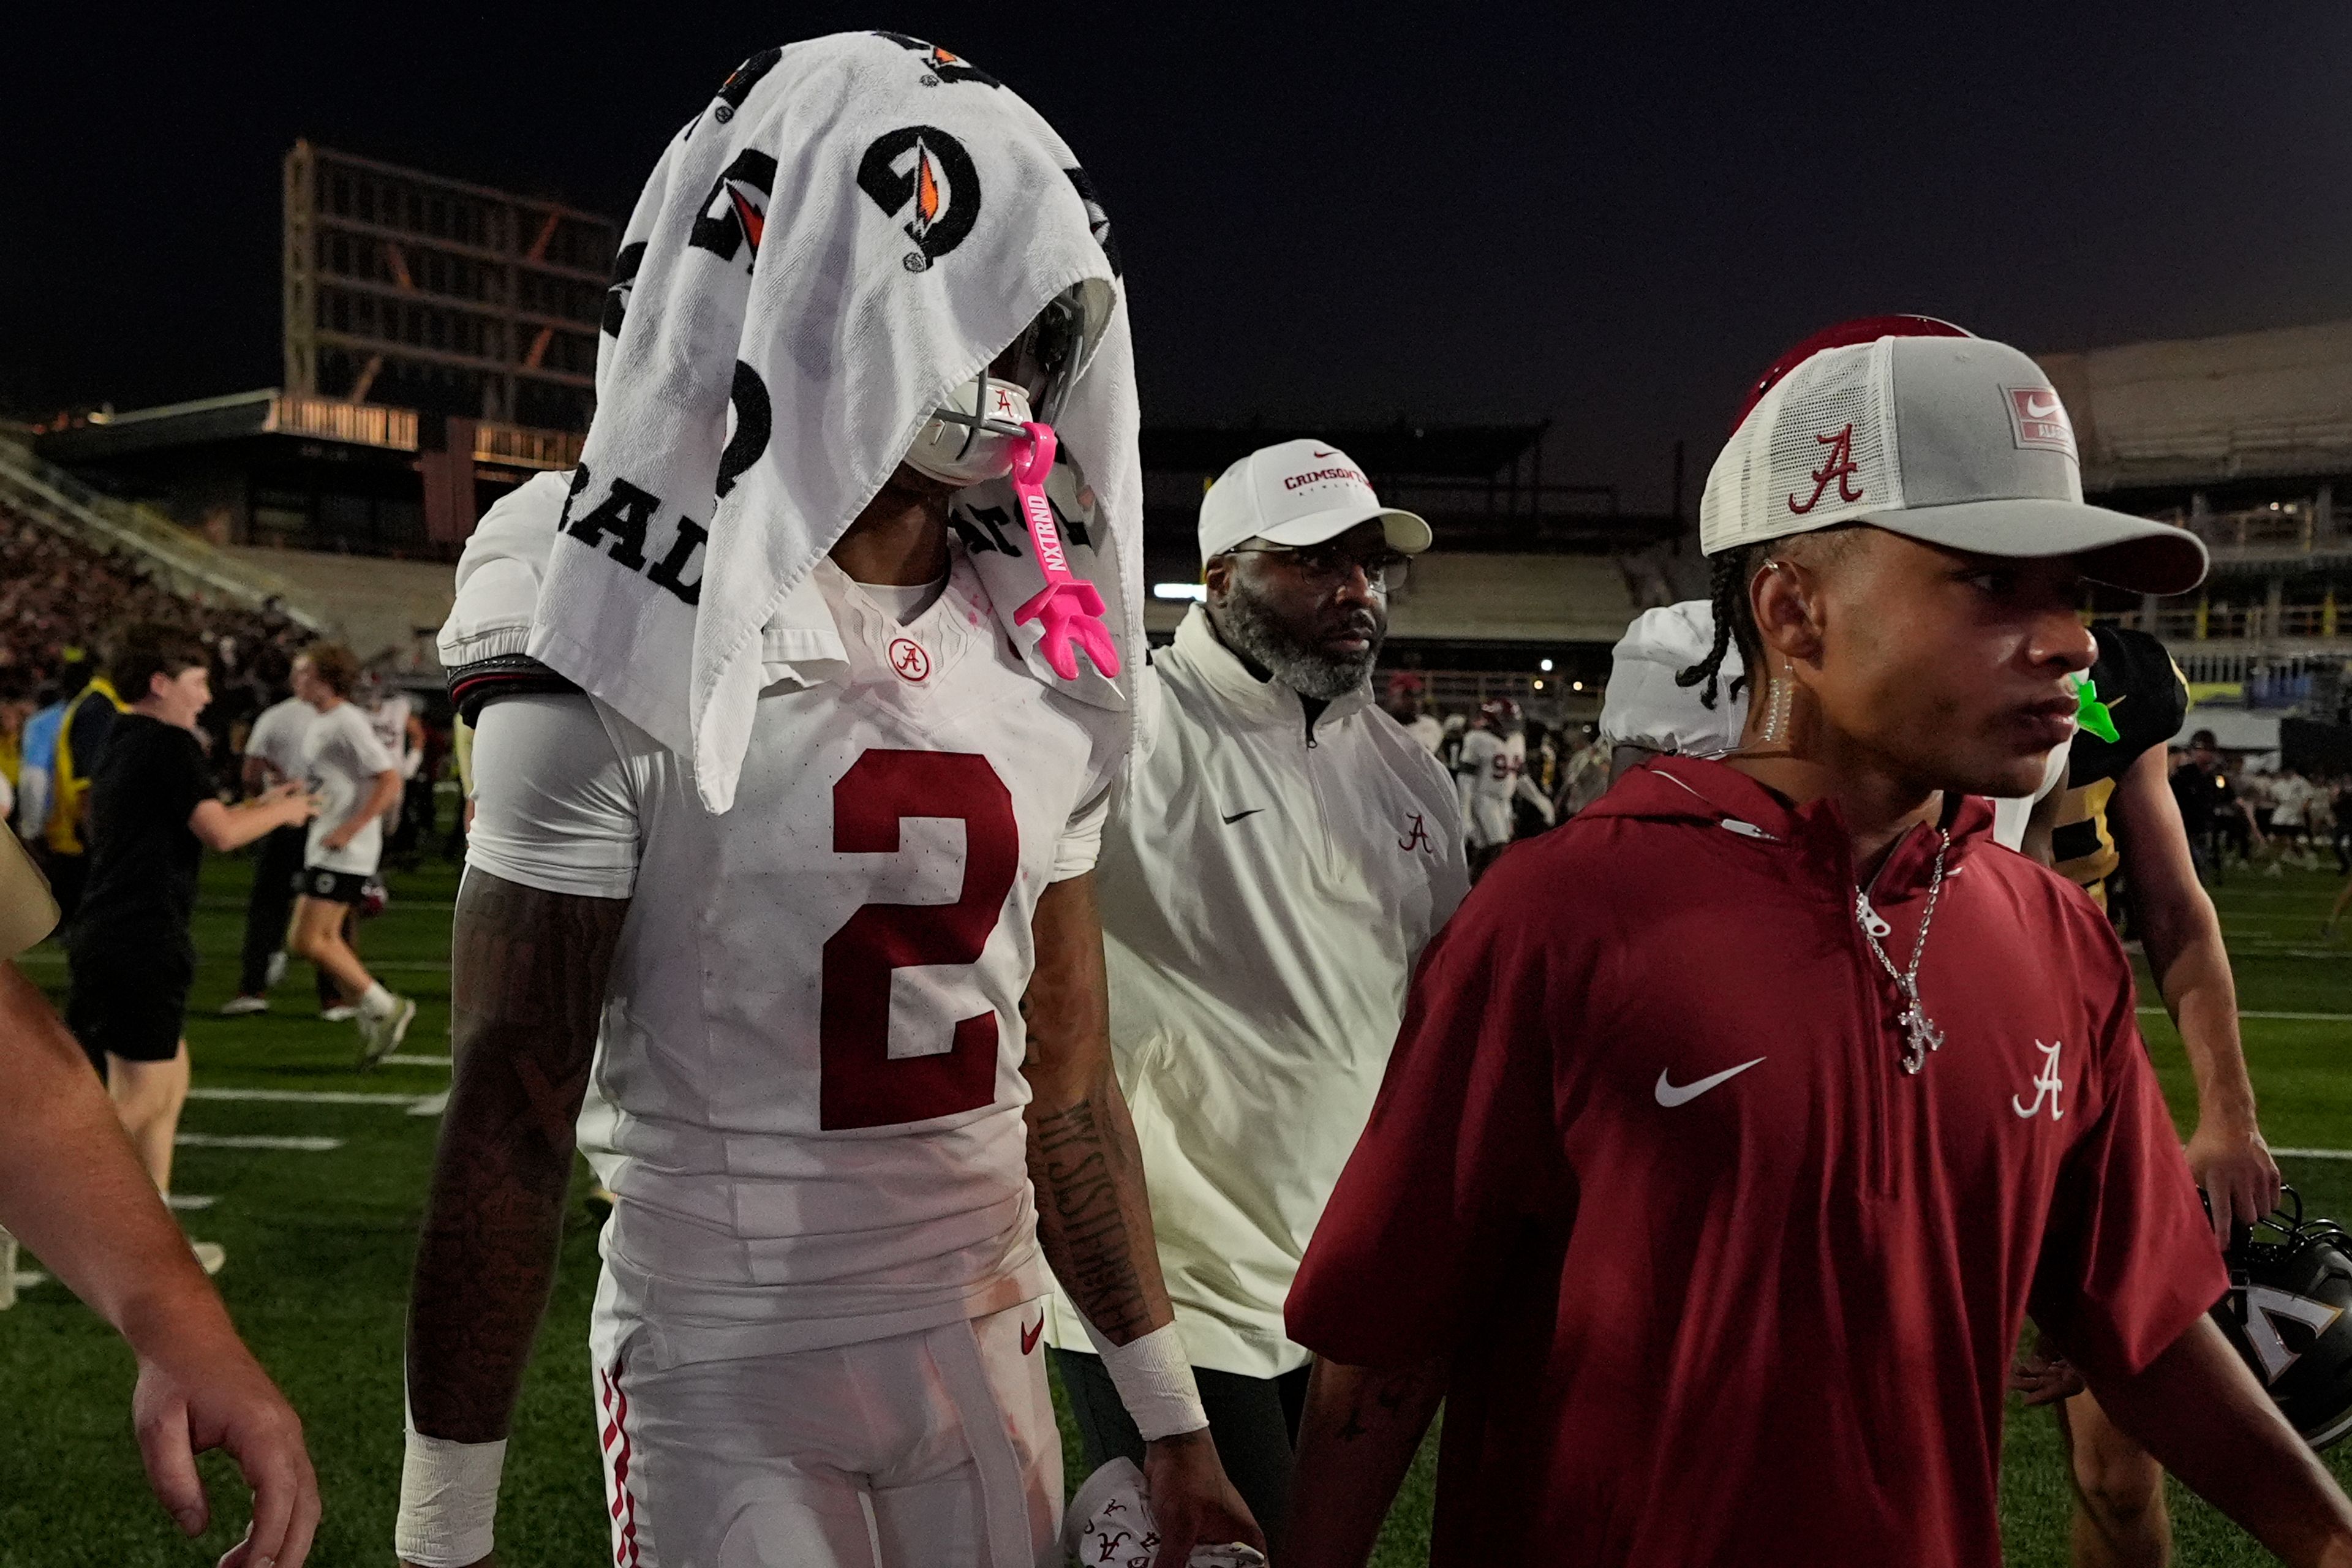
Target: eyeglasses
column 1334, row 563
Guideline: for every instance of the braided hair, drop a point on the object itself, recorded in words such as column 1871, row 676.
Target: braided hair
column 1727, row 593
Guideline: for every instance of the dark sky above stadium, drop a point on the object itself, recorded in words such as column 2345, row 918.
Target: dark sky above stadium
column 1451, row 214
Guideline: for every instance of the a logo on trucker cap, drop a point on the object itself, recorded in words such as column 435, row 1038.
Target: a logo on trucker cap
column 2037, row 418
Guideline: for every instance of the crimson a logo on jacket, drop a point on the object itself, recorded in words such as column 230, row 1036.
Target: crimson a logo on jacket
column 1740, row 1289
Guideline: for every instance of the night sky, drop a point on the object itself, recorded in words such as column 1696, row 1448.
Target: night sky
column 1475, row 214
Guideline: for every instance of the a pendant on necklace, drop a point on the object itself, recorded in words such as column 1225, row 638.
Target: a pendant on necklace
column 1920, row 1036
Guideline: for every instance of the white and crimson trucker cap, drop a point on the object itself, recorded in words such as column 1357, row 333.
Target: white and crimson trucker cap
column 1957, row 441
column 1299, row 492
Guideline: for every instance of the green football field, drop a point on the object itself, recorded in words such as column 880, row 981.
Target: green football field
column 319, row 1232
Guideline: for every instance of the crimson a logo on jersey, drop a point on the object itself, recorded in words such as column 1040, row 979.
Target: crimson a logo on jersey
column 923, row 175
column 910, row 659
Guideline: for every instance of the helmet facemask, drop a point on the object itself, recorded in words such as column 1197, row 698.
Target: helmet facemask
column 969, row 438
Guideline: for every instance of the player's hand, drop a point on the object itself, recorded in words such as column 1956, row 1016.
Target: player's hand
column 293, row 801
column 337, row 839
column 192, row 1399
column 1192, row 1500
column 2234, row 1167
column 2044, row 1376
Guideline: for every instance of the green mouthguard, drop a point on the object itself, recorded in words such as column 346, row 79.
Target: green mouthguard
column 2092, row 714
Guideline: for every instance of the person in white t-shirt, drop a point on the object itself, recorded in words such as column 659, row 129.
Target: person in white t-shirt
column 355, row 779
column 273, row 755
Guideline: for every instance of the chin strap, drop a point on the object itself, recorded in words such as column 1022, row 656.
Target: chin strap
column 1069, row 609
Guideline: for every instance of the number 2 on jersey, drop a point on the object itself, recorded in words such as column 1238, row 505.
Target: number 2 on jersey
column 860, row 1083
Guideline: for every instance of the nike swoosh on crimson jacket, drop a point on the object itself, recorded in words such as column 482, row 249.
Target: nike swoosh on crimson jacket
column 1769, row 1325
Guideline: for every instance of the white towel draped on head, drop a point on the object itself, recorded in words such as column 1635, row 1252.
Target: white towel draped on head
column 854, row 227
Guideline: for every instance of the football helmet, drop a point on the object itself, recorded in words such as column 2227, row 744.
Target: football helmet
column 1497, row 712
column 2289, row 1315
column 969, row 438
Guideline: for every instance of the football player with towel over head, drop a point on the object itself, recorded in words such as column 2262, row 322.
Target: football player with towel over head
column 785, row 823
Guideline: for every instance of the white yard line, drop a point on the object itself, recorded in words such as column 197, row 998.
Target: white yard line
column 187, row 1202
column 431, row 1105
column 304, row 1096
column 245, row 1141
column 397, row 1060
column 2315, row 1154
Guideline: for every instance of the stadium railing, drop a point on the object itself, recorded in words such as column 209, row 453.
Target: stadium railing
column 187, row 565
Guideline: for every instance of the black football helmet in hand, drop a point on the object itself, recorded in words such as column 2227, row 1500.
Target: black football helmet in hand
column 2289, row 1315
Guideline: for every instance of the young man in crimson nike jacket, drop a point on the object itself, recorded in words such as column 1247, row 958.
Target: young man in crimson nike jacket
column 1714, row 1207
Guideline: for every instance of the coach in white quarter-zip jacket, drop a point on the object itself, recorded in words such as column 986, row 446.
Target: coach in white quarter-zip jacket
column 1284, row 851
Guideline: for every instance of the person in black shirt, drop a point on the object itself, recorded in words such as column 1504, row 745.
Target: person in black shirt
column 152, row 814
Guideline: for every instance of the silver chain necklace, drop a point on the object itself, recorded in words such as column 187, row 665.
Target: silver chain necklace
column 1920, row 1036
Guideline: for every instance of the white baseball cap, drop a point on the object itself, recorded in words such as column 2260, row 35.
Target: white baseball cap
column 1299, row 492
column 1957, row 441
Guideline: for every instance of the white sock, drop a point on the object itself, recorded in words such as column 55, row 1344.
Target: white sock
column 377, row 1001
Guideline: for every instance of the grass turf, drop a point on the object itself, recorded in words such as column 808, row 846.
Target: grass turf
column 319, row 1247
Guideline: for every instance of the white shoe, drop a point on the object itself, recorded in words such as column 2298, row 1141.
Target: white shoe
column 381, row 1034
column 341, row 1012
column 275, row 972
column 210, row 1255
column 244, row 1006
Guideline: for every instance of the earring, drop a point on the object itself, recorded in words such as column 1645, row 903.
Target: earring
column 1776, row 715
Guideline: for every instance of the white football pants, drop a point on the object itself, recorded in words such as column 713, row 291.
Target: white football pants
column 934, row 1449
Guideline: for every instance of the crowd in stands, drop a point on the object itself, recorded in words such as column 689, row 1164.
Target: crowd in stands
column 57, row 596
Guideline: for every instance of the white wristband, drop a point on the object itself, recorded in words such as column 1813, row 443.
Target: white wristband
column 1154, row 1381
column 448, row 1501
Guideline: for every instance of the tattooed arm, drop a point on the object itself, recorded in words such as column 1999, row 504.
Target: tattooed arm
column 526, row 983
column 1355, row 1440
column 1093, row 1218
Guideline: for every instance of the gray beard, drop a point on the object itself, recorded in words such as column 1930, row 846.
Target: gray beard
column 1253, row 632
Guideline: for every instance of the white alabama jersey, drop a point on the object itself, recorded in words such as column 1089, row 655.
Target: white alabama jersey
column 1489, row 770
column 1492, row 765
column 812, row 1035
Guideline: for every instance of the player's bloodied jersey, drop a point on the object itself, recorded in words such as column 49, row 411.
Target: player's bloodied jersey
column 812, row 1035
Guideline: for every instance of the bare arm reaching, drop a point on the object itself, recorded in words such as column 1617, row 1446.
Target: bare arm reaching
column 1356, row 1440
column 528, row 972
column 1093, row 1217
column 72, row 1190
column 2199, row 1410
column 2183, row 939
column 222, row 828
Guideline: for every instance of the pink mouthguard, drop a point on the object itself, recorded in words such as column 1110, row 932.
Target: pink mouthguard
column 1069, row 609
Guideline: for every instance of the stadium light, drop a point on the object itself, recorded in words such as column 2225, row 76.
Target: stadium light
column 1198, row 593
column 1580, row 686
column 1544, row 665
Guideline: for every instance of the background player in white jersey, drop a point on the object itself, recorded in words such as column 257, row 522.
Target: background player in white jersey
column 1491, row 773
column 273, row 755
column 848, row 980
column 355, row 780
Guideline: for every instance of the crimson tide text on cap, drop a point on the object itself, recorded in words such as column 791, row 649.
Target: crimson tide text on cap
column 1299, row 492
column 1957, row 441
